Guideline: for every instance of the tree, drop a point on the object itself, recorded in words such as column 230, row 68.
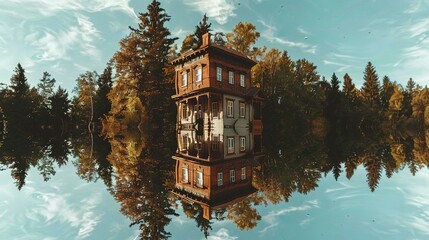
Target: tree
column 348, row 85
column 333, row 98
column 104, row 86
column 46, row 88
column 242, row 37
column 60, row 108
column 188, row 43
column 370, row 88
column 195, row 40
column 386, row 92
column 18, row 81
column 152, row 46
column 83, row 103
column 396, row 103
column 219, row 38
column 408, row 97
column 201, row 29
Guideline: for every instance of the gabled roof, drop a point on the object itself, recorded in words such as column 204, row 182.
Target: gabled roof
column 212, row 47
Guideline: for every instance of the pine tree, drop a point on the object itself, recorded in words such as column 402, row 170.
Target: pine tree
column 104, row 86
column 195, row 40
column 46, row 88
column 60, row 108
column 370, row 88
column 19, row 82
column 348, row 85
column 201, row 29
column 386, row 92
column 408, row 97
column 153, row 47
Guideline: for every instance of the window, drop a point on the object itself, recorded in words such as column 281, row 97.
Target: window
column 231, row 77
column 242, row 144
column 231, row 147
column 184, row 79
column 199, row 75
column 219, row 178
column 185, row 142
column 242, row 109
column 184, row 111
column 215, row 109
column 243, row 173
column 185, row 175
column 232, row 176
column 230, row 108
column 219, row 74
column 200, row 178
column 215, row 143
column 242, row 80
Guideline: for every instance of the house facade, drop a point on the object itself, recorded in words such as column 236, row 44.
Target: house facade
column 219, row 123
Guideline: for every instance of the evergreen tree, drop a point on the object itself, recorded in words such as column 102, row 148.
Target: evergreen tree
column 60, row 108
column 370, row 88
column 408, row 97
column 386, row 92
column 104, row 86
column 18, row 81
column 333, row 101
column 153, row 47
column 46, row 88
column 201, row 29
column 348, row 86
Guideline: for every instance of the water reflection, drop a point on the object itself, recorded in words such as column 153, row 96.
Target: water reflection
column 140, row 174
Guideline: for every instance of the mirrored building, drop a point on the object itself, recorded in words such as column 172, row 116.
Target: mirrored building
column 219, row 125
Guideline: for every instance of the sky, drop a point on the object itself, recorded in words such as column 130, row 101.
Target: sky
column 68, row 37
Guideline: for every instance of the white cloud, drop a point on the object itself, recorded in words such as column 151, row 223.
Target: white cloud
column 57, row 45
column 222, row 234
column 51, row 8
column 341, row 66
column 415, row 54
column 220, row 10
column 419, row 28
column 56, row 208
column 270, row 34
column 271, row 218
column 303, row 31
column 416, row 6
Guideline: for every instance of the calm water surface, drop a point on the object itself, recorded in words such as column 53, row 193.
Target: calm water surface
column 67, row 207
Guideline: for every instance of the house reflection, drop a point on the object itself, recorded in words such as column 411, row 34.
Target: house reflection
column 219, row 126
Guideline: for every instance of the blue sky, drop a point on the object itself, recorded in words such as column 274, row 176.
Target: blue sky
column 68, row 37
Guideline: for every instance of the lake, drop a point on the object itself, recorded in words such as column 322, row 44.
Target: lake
column 292, row 200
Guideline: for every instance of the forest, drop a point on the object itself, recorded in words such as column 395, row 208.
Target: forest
column 118, row 126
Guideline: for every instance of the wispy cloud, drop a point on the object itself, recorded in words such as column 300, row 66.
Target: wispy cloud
column 270, row 33
column 303, row 31
column 220, row 10
column 222, row 234
column 416, row 6
column 56, row 45
column 271, row 218
column 419, row 28
column 56, row 208
column 415, row 54
column 51, row 8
